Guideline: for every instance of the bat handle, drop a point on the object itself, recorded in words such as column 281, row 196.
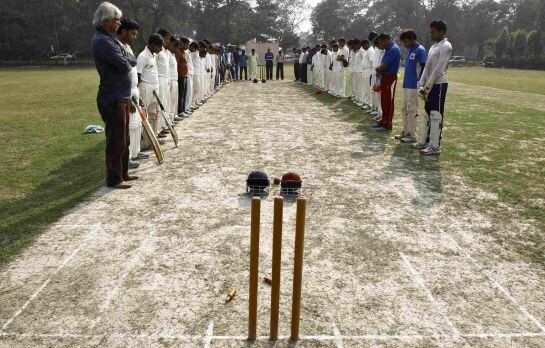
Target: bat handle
column 158, row 101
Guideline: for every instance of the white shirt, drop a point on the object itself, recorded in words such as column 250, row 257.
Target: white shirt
column 326, row 60
column 378, row 58
column 146, row 66
column 358, row 61
column 229, row 58
column 209, row 62
column 369, row 58
column 351, row 61
column 188, row 56
column 163, row 64
column 173, row 66
column 197, row 63
column 341, row 52
column 317, row 61
column 303, row 58
column 435, row 71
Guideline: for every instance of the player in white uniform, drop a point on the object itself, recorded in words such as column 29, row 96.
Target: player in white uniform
column 376, row 108
column 148, row 79
column 336, row 69
column 367, row 73
column 197, row 73
column 342, row 60
column 127, row 32
column 163, row 68
column 173, row 72
column 189, row 101
column 358, row 68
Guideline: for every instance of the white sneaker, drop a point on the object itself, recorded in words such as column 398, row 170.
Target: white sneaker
column 430, row 151
column 408, row 140
column 418, row 145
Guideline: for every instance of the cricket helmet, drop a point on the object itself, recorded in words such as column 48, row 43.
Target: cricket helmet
column 257, row 182
column 291, row 181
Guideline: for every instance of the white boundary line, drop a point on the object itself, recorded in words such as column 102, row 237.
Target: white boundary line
column 145, row 244
column 497, row 284
column 209, row 335
column 420, row 281
column 338, row 336
column 36, row 293
column 210, row 338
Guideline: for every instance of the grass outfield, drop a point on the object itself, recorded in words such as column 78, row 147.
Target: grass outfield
column 493, row 137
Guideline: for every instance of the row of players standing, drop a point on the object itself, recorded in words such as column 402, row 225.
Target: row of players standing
column 366, row 71
column 182, row 74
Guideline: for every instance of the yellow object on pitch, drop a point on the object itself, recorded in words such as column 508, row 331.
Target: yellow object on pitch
column 231, row 295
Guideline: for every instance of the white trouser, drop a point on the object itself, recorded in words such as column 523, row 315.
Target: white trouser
column 409, row 111
column 310, row 75
column 212, row 82
column 326, row 78
column 173, row 102
column 318, row 77
column 375, row 96
column 366, row 87
column 204, row 85
column 197, row 85
column 358, row 85
column 135, row 128
column 146, row 94
column 341, row 85
column 164, row 95
column 352, row 82
column 335, row 77
column 189, row 93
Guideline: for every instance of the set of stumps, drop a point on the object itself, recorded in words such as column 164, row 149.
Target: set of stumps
column 276, row 267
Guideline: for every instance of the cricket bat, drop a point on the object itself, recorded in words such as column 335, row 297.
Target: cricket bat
column 167, row 120
column 151, row 135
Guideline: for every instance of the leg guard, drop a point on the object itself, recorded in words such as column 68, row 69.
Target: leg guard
column 436, row 126
column 425, row 129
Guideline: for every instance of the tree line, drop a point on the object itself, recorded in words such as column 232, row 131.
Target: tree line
column 473, row 26
column 33, row 29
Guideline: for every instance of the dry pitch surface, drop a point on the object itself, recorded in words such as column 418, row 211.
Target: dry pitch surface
column 391, row 258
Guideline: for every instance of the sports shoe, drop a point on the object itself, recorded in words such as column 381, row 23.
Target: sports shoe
column 430, row 151
column 141, row 155
column 184, row 115
column 382, row 129
column 133, row 165
column 376, row 126
column 374, row 113
column 408, row 140
column 178, row 118
column 377, row 118
column 399, row 137
column 418, row 145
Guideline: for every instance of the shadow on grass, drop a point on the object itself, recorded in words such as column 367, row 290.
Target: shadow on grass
column 22, row 218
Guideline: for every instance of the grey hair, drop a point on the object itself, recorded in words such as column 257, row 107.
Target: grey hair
column 104, row 12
